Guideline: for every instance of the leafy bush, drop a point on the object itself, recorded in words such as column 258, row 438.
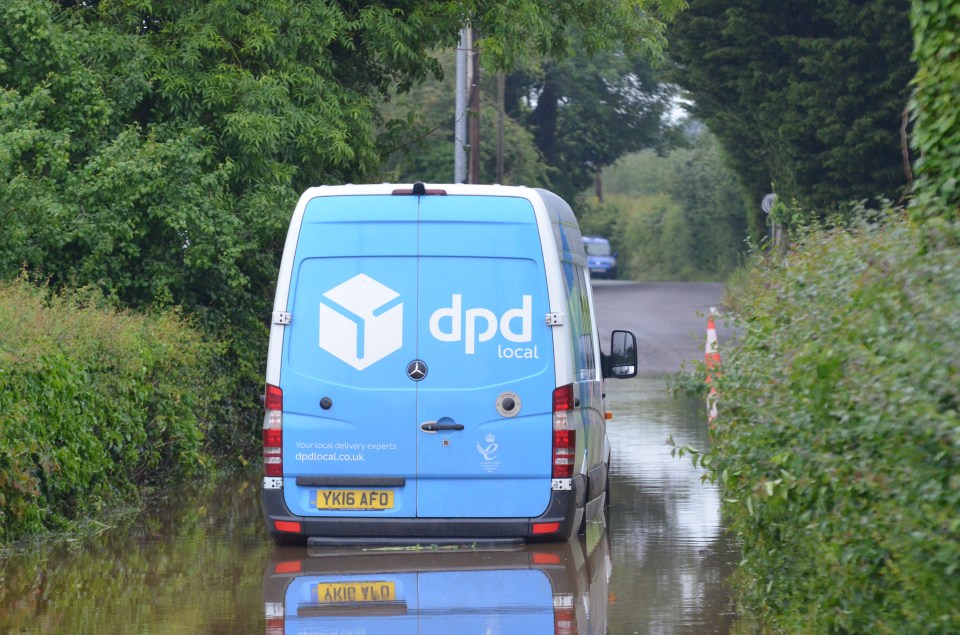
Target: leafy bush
column 673, row 217
column 93, row 404
column 936, row 134
column 656, row 239
column 837, row 442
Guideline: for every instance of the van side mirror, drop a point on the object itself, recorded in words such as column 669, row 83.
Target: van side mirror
column 622, row 362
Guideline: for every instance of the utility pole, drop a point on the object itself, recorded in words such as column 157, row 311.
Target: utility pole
column 501, row 98
column 473, row 133
column 460, row 116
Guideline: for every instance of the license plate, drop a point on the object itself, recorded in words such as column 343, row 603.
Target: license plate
column 355, row 499
column 347, row 592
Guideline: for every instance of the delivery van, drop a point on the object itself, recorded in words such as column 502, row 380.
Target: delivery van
column 434, row 372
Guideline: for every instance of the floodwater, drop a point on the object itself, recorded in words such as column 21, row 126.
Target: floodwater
column 200, row 562
column 670, row 554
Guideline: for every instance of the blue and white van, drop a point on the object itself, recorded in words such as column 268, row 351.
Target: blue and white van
column 434, row 372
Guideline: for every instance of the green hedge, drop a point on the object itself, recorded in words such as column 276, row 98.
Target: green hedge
column 94, row 405
column 936, row 126
column 674, row 217
column 837, row 447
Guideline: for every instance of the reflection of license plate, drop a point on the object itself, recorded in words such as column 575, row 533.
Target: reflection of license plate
column 597, row 269
column 355, row 499
column 347, row 592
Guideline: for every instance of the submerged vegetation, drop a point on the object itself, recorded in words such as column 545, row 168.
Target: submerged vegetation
column 95, row 405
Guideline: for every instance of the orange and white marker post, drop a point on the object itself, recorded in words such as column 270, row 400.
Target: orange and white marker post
column 712, row 360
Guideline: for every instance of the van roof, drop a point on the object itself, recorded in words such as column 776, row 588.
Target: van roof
column 558, row 210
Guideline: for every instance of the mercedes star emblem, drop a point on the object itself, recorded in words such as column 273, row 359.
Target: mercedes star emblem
column 416, row 370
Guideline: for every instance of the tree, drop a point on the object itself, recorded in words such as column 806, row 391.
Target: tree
column 264, row 98
column 936, row 126
column 566, row 120
column 428, row 156
column 673, row 217
column 585, row 112
column 804, row 94
column 155, row 149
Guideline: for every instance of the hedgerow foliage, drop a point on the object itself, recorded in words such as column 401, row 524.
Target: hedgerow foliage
column 837, row 445
column 93, row 404
column 673, row 217
column 837, row 442
column 936, row 134
column 805, row 95
column 155, row 150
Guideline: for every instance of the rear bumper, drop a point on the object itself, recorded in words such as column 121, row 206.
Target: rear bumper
column 603, row 272
column 566, row 509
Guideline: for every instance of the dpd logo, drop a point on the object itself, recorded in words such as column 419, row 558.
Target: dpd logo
column 453, row 324
column 361, row 321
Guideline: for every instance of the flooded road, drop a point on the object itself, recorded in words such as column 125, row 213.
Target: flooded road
column 670, row 555
column 200, row 562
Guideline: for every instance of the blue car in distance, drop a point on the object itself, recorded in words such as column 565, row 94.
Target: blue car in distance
column 601, row 260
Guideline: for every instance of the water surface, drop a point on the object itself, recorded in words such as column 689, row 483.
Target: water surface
column 200, row 562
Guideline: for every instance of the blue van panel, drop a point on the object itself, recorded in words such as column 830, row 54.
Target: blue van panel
column 353, row 332
column 483, row 299
column 480, row 497
column 490, row 319
column 457, row 282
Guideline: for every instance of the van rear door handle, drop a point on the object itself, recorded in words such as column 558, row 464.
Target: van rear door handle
column 433, row 426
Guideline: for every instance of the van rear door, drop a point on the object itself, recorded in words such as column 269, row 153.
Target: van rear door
column 350, row 422
column 418, row 369
column 489, row 354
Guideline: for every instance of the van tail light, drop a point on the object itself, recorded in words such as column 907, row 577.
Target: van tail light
column 562, row 399
column 273, row 432
column 288, row 567
column 288, row 526
column 564, row 439
column 540, row 529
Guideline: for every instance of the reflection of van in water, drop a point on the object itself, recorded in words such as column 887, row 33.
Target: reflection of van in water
column 434, row 371
column 535, row 590
column 601, row 260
